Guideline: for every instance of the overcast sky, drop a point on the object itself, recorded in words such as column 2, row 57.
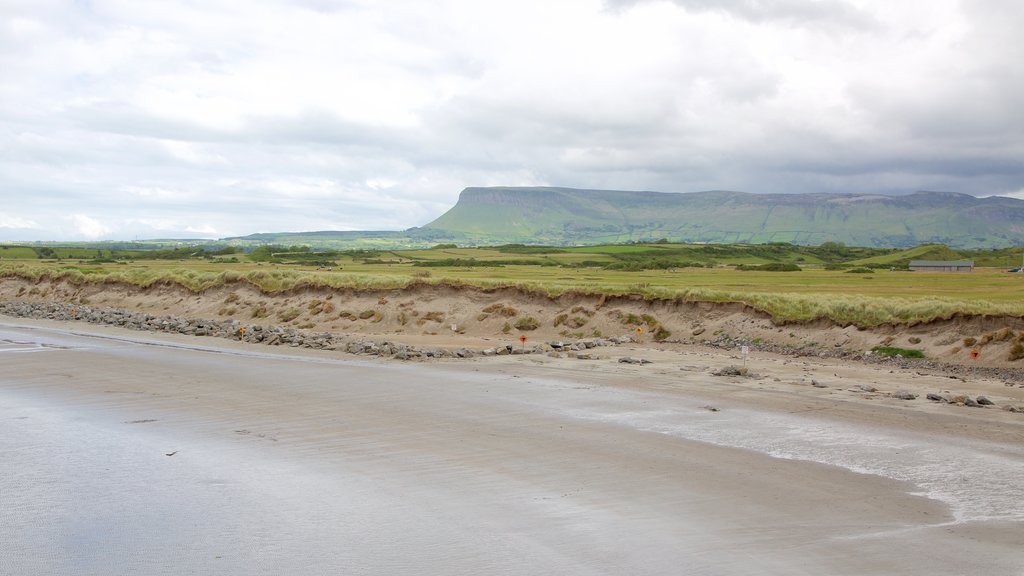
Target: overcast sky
column 208, row 118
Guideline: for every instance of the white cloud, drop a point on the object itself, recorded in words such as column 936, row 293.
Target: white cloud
column 277, row 115
column 18, row 223
column 89, row 227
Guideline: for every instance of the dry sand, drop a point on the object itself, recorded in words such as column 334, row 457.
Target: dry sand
column 318, row 462
column 427, row 314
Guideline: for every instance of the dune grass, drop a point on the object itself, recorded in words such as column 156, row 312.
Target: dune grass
column 846, row 299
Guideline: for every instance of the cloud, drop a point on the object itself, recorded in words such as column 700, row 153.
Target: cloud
column 832, row 13
column 234, row 117
column 89, row 227
column 17, row 223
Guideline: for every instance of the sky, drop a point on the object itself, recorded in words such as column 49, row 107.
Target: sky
column 132, row 119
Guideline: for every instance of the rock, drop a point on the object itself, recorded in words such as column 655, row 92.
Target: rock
column 867, row 388
column 938, row 397
column 971, row 402
column 904, row 395
column 584, row 356
column 710, row 408
column 984, row 401
column 730, row 371
column 630, row 360
column 698, row 331
column 817, row 384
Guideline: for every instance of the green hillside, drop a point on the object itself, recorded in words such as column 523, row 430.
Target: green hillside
column 566, row 216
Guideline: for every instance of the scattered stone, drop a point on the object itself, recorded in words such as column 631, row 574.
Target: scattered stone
column 730, row 371
column 938, row 397
column 710, row 408
column 867, row 388
column 971, row 402
column 984, row 401
column 630, row 360
column 817, row 384
column 904, row 395
column 698, row 331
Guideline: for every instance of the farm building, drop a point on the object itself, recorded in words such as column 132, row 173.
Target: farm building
column 942, row 265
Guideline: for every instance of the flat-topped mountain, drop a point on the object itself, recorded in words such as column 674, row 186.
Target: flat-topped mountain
column 572, row 216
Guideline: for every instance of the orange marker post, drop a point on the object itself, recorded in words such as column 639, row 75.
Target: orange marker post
column 974, row 354
column 522, row 340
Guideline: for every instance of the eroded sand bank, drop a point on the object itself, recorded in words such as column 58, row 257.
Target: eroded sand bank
column 159, row 454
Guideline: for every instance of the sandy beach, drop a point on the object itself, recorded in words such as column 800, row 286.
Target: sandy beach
column 140, row 453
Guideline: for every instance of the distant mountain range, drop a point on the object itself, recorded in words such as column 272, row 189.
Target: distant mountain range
column 567, row 216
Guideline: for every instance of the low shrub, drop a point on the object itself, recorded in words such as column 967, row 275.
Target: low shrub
column 770, row 267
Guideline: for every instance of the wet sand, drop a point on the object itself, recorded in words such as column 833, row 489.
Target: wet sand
column 138, row 453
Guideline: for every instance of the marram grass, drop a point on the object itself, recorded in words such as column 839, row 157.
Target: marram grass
column 840, row 308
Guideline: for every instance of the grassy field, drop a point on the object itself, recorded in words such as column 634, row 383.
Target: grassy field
column 864, row 299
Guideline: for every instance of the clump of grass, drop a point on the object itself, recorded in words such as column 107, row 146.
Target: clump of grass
column 367, row 314
column 348, row 315
column 860, row 271
column 232, row 297
column 430, row 317
column 661, row 334
column 890, row 351
column 506, row 328
column 559, row 320
column 501, row 310
column 630, row 319
column 970, row 341
column 227, row 311
column 527, row 323
column 1001, row 335
column 259, row 311
column 1016, row 352
column 583, row 310
column 403, row 319
column 289, row 314
column 914, row 340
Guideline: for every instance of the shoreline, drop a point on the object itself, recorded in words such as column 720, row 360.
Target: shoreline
column 922, row 383
column 589, row 460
